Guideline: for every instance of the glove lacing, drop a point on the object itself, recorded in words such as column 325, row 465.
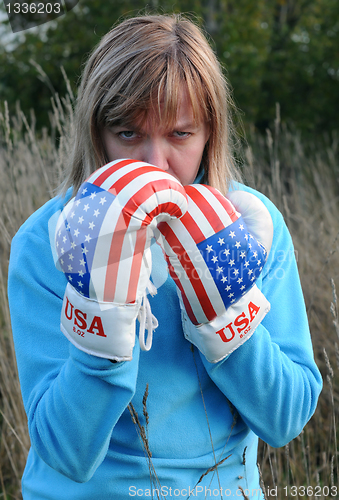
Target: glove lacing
column 146, row 319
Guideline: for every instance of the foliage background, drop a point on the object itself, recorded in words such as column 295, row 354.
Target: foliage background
column 284, row 51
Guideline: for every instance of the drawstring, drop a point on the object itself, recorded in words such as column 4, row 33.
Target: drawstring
column 146, row 319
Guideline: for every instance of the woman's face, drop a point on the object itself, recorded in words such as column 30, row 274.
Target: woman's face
column 177, row 151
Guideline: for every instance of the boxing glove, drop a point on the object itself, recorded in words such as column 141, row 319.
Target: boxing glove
column 215, row 254
column 102, row 242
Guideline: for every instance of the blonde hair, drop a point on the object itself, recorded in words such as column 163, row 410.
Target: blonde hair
column 140, row 63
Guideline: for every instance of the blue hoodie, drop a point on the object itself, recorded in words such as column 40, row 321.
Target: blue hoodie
column 84, row 444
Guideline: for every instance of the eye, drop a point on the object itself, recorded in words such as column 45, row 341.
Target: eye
column 127, row 134
column 180, row 135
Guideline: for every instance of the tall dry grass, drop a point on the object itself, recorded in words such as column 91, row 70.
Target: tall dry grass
column 300, row 178
column 30, row 167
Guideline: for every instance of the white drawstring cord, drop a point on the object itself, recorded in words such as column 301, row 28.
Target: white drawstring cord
column 146, row 319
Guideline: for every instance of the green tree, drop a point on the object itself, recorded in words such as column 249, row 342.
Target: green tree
column 301, row 71
column 284, row 51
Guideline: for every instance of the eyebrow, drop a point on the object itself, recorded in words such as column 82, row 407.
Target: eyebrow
column 121, row 123
column 180, row 125
column 186, row 124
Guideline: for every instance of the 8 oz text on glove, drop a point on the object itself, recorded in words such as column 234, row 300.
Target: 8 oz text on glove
column 241, row 321
column 80, row 318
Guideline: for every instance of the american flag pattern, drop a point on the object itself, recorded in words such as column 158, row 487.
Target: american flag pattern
column 103, row 234
column 212, row 256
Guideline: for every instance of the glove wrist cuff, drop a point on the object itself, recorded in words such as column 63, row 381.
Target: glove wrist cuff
column 102, row 329
column 227, row 332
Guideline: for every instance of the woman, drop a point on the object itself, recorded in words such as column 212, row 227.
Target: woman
column 153, row 91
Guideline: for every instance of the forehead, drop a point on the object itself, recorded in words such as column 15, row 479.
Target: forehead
column 163, row 113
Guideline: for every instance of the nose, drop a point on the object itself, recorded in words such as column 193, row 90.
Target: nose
column 156, row 153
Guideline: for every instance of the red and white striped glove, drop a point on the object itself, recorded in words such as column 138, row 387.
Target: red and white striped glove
column 215, row 254
column 102, row 240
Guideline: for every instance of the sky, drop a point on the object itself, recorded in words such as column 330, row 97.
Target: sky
column 7, row 37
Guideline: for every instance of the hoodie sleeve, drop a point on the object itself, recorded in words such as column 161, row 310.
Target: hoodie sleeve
column 272, row 379
column 72, row 399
